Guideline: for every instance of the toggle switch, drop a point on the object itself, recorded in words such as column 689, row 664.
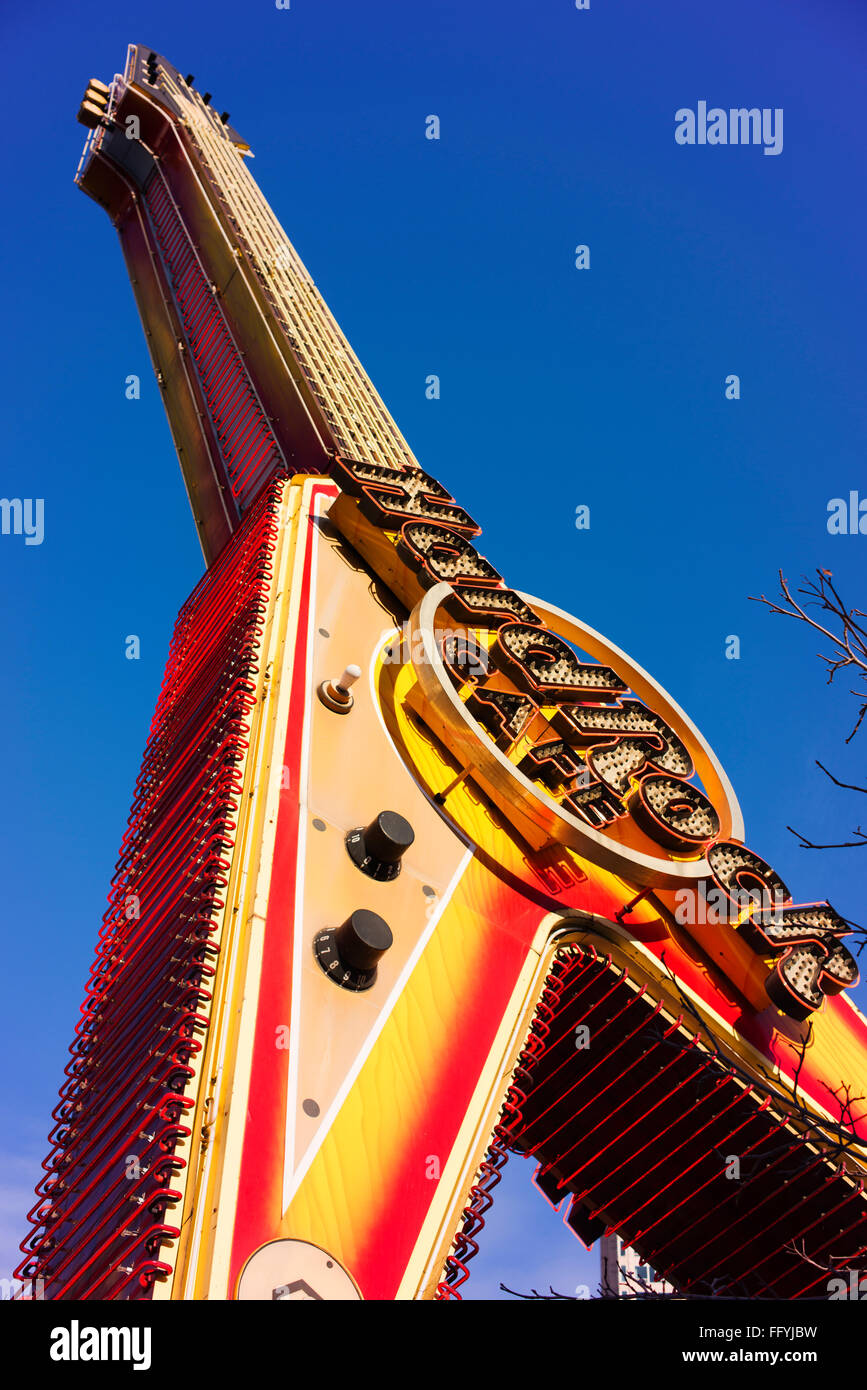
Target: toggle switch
column 378, row 849
column 336, row 695
column 350, row 953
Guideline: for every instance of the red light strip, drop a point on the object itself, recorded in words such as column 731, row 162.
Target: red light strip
column 708, row 1152
column 465, row 1246
column 113, row 1146
column 608, row 1130
column 792, row 1228
column 718, row 1205
column 712, row 1245
column 619, row 1043
column 248, row 446
column 610, row 1115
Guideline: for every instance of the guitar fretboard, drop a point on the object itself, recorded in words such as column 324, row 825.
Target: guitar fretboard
column 359, row 421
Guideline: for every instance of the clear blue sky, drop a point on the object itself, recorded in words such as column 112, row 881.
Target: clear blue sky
column 602, row 387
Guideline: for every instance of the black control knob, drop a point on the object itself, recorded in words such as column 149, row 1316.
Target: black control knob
column 362, row 939
column 378, row 848
column 349, row 953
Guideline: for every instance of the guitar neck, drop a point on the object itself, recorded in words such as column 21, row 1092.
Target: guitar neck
column 356, row 415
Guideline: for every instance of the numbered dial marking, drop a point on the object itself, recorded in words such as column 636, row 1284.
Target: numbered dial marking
column 349, row 954
column 378, row 848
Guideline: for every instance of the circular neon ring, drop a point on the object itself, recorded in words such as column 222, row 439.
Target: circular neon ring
column 539, row 811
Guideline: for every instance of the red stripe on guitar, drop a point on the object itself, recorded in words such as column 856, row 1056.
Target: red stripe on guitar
column 260, row 1190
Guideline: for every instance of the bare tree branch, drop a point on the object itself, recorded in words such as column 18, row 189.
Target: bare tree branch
column 834, row 1138
column 842, row 844
column 840, row 1262
column 849, row 786
column 848, row 638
